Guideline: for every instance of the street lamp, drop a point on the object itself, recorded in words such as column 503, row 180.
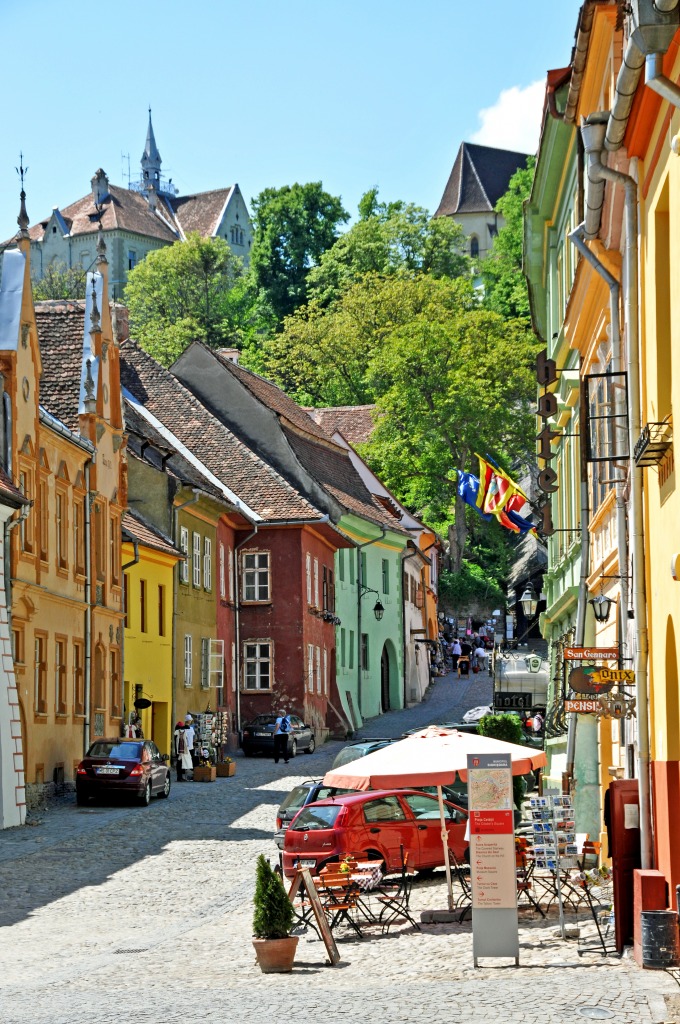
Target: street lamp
column 529, row 603
column 378, row 610
column 602, row 606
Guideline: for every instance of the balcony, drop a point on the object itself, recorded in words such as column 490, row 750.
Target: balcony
column 653, row 444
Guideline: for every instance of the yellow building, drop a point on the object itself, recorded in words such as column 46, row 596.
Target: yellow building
column 149, row 561
column 59, row 364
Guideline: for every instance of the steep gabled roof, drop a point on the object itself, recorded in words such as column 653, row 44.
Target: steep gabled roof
column 137, row 529
column 355, row 422
column 60, row 336
column 219, row 450
column 122, row 209
column 480, row 176
column 201, row 212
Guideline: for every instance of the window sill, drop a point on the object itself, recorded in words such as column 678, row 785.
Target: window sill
column 39, row 716
column 245, row 690
column 78, row 716
column 247, row 604
column 60, row 718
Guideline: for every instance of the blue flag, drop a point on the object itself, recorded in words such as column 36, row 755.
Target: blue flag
column 468, row 490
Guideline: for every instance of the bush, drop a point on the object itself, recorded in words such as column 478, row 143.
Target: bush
column 509, row 729
column 273, row 918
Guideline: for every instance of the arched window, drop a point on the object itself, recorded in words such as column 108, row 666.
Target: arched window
column 474, row 247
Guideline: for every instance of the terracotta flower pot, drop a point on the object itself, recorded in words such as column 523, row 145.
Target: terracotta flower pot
column 276, row 956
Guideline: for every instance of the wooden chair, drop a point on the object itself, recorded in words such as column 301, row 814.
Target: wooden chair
column 339, row 895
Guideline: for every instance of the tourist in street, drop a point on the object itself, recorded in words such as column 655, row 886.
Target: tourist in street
column 480, row 658
column 183, row 757
column 189, row 734
column 455, row 654
column 463, row 666
column 281, row 730
column 538, row 723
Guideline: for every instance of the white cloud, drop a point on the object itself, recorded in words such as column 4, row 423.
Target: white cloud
column 514, row 121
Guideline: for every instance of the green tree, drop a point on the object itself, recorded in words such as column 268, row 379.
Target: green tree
column 273, row 918
column 60, row 282
column 188, row 291
column 505, row 286
column 294, row 226
column 387, row 239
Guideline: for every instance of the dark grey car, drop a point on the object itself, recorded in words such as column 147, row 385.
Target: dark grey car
column 257, row 737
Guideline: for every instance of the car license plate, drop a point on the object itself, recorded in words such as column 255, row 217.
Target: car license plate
column 265, row 734
column 108, row 771
column 307, row 862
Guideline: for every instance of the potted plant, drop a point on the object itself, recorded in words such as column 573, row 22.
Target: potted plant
column 226, row 768
column 273, row 919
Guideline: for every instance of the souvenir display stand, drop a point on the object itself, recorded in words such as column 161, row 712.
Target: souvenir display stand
column 554, row 850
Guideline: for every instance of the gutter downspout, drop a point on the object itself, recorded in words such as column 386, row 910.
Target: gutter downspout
column 88, row 606
column 175, row 531
column 133, row 561
column 360, row 584
column 237, row 626
column 656, row 80
column 597, row 170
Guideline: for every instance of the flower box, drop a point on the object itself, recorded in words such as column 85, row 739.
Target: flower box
column 225, row 769
column 205, row 773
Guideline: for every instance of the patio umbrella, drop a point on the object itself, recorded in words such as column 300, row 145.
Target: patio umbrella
column 433, row 757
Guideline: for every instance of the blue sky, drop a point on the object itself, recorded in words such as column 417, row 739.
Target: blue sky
column 354, row 93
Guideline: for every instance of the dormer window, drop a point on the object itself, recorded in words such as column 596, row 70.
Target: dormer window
column 54, row 231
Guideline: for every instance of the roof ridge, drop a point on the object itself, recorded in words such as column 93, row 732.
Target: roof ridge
column 476, row 173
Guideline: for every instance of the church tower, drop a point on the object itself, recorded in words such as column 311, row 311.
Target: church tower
column 151, row 160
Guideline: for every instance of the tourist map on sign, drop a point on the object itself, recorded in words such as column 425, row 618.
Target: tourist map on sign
column 488, row 790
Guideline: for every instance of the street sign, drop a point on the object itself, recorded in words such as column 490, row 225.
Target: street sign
column 582, row 680
column 582, row 707
column 513, row 700
column 591, row 653
column 614, row 675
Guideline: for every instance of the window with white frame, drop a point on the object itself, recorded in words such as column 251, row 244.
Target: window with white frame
column 317, row 658
column 256, row 576
column 230, row 566
column 308, row 565
column 223, row 588
column 316, row 582
column 205, row 662
column 257, row 665
column 188, row 659
column 325, row 671
column 207, row 563
column 310, row 667
column 184, row 548
column 197, row 560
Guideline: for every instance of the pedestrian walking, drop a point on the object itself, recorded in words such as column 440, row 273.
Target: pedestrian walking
column 463, row 666
column 190, row 736
column 456, row 652
column 183, row 760
column 281, row 730
column 480, row 658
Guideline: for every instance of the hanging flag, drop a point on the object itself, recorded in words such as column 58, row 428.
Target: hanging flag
column 501, row 488
column 486, row 471
column 510, row 517
column 469, row 490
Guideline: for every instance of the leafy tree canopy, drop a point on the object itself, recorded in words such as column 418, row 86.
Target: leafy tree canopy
column 388, row 238
column 504, row 283
column 192, row 290
column 60, row 282
column 294, row 226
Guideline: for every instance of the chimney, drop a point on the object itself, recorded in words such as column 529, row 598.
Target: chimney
column 151, row 196
column 120, row 323
column 231, row 354
column 100, row 187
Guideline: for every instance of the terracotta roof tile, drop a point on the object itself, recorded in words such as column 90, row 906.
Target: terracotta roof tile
column 134, row 528
column 220, row 451
column 200, row 212
column 60, row 336
column 122, row 209
column 9, row 493
column 355, row 422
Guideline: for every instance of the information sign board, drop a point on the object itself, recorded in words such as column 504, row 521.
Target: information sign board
column 582, row 706
column 492, row 857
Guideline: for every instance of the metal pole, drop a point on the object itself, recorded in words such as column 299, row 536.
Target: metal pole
column 445, row 842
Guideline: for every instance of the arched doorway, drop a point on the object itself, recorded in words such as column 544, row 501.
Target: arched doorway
column 385, row 680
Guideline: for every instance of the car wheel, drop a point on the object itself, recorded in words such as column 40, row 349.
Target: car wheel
column 293, row 748
column 165, row 792
column 312, row 746
column 82, row 800
column 145, row 798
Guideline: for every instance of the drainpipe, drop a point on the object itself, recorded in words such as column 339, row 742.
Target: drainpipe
column 656, row 80
column 133, row 561
column 598, row 170
column 175, row 536
column 88, row 607
column 237, row 626
column 360, row 584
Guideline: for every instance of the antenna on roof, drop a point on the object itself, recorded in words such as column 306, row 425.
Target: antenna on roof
column 123, row 158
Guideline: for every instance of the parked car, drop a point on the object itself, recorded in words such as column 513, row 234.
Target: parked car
column 377, row 824
column 120, row 766
column 311, row 790
column 257, row 737
column 354, row 750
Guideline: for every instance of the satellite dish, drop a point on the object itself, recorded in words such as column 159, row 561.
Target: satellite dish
column 141, row 703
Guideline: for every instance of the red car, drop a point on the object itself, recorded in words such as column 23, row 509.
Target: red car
column 129, row 767
column 377, row 825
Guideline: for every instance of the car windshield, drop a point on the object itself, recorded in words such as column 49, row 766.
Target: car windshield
column 295, row 799
column 316, row 817
column 354, row 751
column 121, row 751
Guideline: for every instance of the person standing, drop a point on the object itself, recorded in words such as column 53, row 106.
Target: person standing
column 480, row 658
column 538, row 723
column 456, row 652
column 182, row 756
column 190, row 736
column 281, row 730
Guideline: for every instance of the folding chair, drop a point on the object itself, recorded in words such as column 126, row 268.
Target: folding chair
column 395, row 898
column 339, row 895
column 464, row 901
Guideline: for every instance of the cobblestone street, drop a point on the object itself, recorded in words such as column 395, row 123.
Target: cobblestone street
column 112, row 914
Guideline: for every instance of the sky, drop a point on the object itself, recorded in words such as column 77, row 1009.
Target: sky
column 352, row 93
